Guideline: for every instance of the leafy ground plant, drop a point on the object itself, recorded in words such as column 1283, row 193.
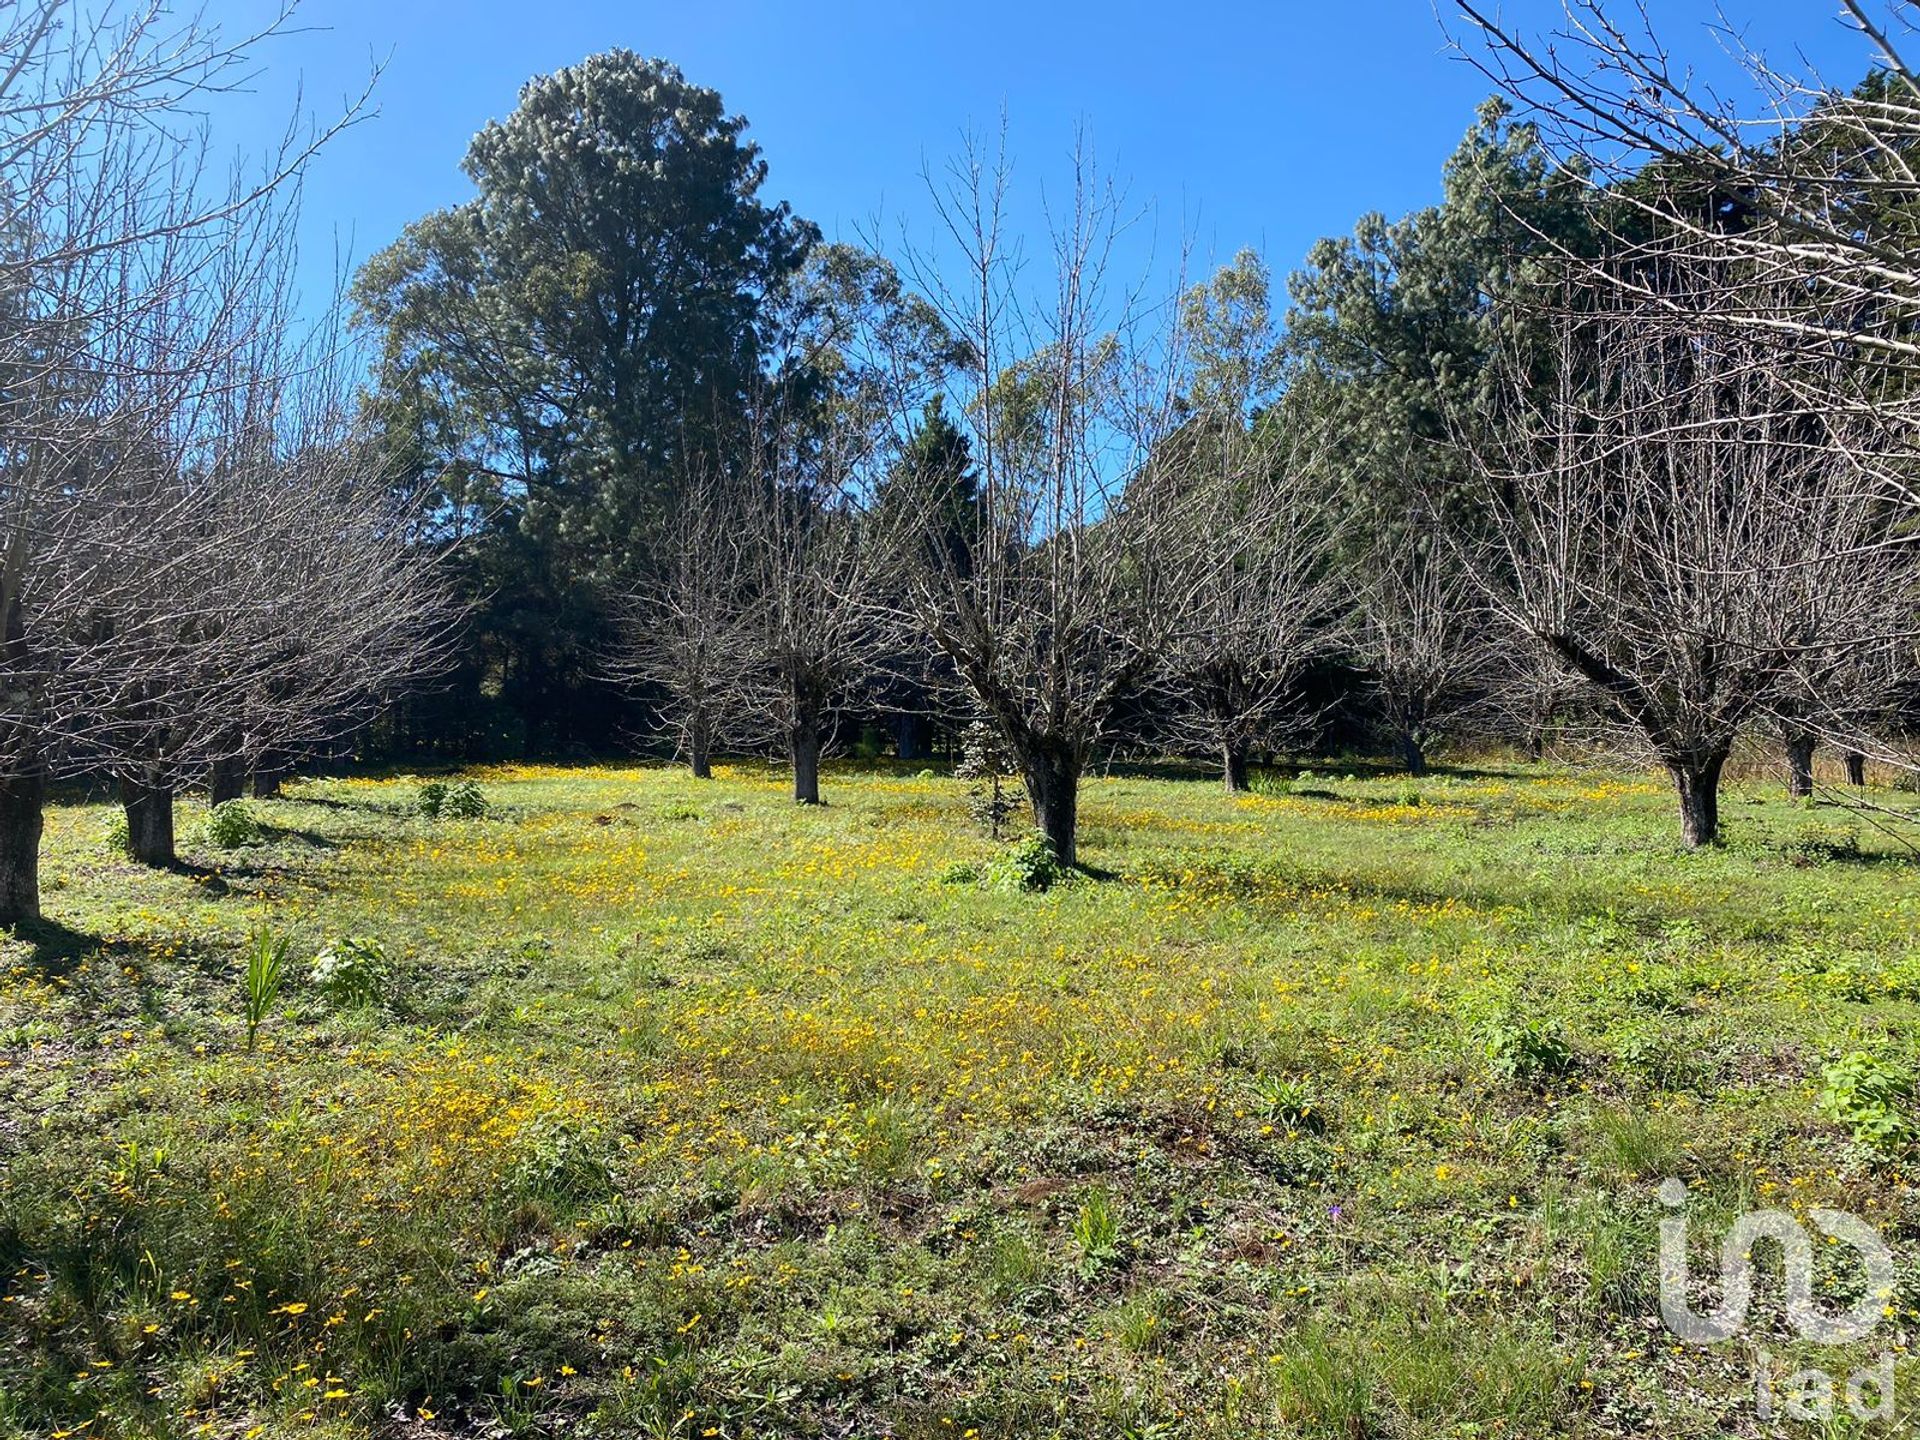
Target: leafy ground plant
column 1873, row 1098
column 1027, row 864
column 352, row 971
column 231, row 825
column 266, row 968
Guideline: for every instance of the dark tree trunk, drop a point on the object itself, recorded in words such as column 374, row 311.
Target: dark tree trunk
column 1698, row 783
column 268, row 774
column 149, row 808
column 1856, row 764
column 227, row 782
column 1800, row 766
column 700, row 748
column 1053, row 785
column 805, row 744
column 909, row 737
column 1536, row 745
column 804, row 732
column 1411, row 753
column 1233, row 767
column 22, row 801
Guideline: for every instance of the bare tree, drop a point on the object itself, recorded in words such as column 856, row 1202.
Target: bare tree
column 1258, row 591
column 115, row 311
column 1800, row 185
column 688, row 635
column 815, row 625
column 766, row 609
column 1050, row 611
column 1258, row 596
column 1685, row 530
column 1531, row 694
column 1422, row 638
column 282, row 607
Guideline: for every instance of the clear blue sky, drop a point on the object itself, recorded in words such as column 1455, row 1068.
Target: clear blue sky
column 1262, row 124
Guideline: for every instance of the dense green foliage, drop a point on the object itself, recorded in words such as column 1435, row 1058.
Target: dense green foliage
column 1393, row 329
column 558, row 350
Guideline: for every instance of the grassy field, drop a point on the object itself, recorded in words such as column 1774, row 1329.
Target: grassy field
column 1336, row 1110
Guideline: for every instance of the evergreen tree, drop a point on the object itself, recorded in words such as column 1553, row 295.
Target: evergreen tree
column 558, row 350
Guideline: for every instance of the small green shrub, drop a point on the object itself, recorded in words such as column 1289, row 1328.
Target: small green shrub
column 466, row 801
column 1870, row 1096
column 1288, row 1100
column 266, row 968
column 1028, row 864
column 352, row 972
column 1522, row 1050
column 960, row 873
column 230, row 825
column 989, row 767
column 460, row 800
column 116, row 839
column 1096, row 1231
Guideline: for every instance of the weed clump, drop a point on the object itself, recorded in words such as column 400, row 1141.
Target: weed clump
column 352, row 972
column 1522, row 1051
column 1870, row 1097
column 1096, row 1232
column 230, row 825
column 460, row 800
column 1028, row 864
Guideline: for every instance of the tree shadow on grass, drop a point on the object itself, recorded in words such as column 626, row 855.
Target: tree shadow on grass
column 369, row 806
column 312, row 839
column 212, row 880
column 56, row 949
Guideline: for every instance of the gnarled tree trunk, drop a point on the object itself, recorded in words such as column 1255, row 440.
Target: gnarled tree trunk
column 1052, row 774
column 227, row 782
column 1800, row 766
column 700, row 747
column 268, row 774
column 22, row 801
column 805, row 727
column 804, row 743
column 1412, row 754
column 149, row 807
column 1856, row 764
column 1233, row 766
column 1696, row 779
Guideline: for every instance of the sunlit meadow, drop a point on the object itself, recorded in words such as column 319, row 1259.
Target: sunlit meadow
column 1334, row 1110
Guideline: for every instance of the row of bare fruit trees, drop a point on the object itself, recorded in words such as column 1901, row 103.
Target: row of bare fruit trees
column 202, row 574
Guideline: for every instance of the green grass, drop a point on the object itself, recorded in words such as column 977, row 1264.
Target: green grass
column 658, row 1107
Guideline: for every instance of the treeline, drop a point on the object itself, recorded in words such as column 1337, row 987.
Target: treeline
column 566, row 358
column 1568, row 455
column 1614, row 448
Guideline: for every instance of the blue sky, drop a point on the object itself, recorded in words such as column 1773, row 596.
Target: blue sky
column 1238, row 123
